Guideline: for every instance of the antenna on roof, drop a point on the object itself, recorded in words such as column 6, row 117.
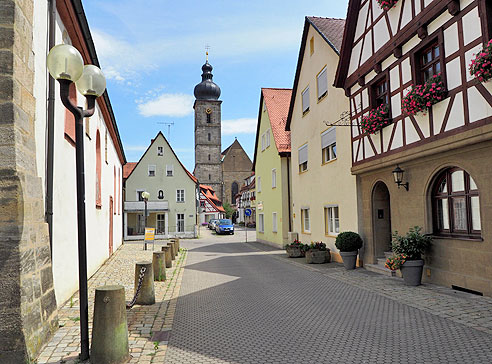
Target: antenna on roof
column 169, row 124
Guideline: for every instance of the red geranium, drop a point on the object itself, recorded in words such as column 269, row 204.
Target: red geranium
column 422, row 97
column 481, row 66
column 387, row 4
column 377, row 119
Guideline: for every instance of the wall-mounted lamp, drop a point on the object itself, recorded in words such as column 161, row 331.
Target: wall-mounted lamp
column 398, row 176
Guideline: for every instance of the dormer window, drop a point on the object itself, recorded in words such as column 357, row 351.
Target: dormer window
column 160, row 151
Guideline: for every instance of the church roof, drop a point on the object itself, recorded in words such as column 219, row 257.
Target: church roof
column 277, row 102
column 207, row 89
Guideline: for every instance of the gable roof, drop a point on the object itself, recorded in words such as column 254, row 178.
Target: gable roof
column 211, row 197
column 277, row 101
column 330, row 30
column 128, row 169
column 237, row 145
column 171, row 148
column 348, row 38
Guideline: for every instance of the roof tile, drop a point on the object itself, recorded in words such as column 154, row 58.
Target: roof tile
column 277, row 102
column 331, row 28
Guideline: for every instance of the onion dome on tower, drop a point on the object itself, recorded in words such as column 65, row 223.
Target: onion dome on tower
column 207, row 89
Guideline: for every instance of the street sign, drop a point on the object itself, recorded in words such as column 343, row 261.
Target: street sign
column 149, row 234
column 248, row 212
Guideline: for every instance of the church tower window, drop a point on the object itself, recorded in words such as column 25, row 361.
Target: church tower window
column 209, row 137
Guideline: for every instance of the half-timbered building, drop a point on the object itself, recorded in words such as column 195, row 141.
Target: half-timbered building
column 210, row 205
column 444, row 150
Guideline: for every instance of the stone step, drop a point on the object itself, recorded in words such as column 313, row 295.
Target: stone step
column 380, row 268
column 388, row 254
column 381, row 261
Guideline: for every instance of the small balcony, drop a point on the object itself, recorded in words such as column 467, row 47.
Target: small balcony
column 134, row 206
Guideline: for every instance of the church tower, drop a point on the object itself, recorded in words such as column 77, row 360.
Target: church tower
column 208, row 167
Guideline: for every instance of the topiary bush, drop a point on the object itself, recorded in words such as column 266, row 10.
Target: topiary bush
column 348, row 241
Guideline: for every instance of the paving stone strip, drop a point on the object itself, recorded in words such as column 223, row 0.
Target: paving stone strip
column 144, row 322
column 467, row 309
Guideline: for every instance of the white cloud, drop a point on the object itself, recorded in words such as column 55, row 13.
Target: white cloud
column 177, row 105
column 239, row 126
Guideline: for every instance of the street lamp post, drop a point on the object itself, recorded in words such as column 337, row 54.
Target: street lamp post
column 66, row 65
column 145, row 196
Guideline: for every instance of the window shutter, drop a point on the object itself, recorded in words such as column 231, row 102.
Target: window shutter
column 328, row 137
column 322, row 80
column 303, row 154
column 305, row 100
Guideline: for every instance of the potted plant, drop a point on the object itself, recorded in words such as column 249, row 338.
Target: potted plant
column 348, row 243
column 387, row 4
column 317, row 253
column 410, row 249
column 377, row 119
column 296, row 249
column 422, row 97
column 481, row 66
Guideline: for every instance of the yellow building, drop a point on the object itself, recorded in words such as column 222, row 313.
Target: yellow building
column 324, row 197
column 271, row 165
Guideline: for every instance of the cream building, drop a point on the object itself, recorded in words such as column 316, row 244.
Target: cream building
column 324, row 197
column 172, row 206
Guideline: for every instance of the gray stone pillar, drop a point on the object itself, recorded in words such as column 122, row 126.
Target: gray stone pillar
column 109, row 344
column 159, row 265
column 28, row 315
column 147, row 292
column 169, row 260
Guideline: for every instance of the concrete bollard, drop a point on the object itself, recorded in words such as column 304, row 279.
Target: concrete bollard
column 159, row 265
column 172, row 244
column 177, row 245
column 109, row 343
column 147, row 292
column 169, row 260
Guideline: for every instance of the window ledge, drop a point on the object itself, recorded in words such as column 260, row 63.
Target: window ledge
column 306, row 232
column 329, row 162
column 455, row 237
column 331, row 235
column 304, row 113
column 304, row 171
column 322, row 97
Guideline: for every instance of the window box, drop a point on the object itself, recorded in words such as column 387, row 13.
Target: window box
column 422, row 97
column 376, row 119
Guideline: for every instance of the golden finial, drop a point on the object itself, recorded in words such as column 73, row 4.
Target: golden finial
column 207, row 47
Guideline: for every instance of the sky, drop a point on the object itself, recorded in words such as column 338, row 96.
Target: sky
column 152, row 52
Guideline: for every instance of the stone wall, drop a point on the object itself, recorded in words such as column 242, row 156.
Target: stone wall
column 27, row 301
column 236, row 167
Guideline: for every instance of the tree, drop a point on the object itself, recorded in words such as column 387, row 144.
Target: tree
column 229, row 211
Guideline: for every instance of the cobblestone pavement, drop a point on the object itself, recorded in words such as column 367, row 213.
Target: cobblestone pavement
column 246, row 303
column 143, row 321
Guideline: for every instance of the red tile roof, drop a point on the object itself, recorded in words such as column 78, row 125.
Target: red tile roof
column 277, row 102
column 330, row 28
column 128, row 168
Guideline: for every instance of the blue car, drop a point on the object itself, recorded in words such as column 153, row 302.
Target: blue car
column 224, row 226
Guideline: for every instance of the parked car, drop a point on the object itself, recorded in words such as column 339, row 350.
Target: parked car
column 211, row 224
column 224, row 226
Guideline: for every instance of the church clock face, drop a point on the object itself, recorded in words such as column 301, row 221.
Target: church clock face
column 208, row 111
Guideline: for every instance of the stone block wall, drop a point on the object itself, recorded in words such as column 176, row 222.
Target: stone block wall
column 28, row 313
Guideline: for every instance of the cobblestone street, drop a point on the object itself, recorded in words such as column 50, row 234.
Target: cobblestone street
column 247, row 303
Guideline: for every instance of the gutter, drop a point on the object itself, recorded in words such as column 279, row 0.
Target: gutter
column 50, row 138
column 288, row 193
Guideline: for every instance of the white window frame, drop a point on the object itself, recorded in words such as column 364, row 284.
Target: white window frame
column 162, row 221
column 331, row 220
column 177, row 222
column 261, row 223
column 318, row 77
column 267, row 138
column 160, row 190
column 303, row 220
column 178, row 199
column 259, row 184
column 305, row 108
column 169, row 170
column 274, row 178
column 152, row 168
column 304, row 165
column 160, row 151
column 274, row 222
column 262, row 142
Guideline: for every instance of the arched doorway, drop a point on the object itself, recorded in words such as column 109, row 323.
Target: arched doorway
column 381, row 217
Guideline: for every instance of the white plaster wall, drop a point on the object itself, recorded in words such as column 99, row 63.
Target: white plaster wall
column 65, row 253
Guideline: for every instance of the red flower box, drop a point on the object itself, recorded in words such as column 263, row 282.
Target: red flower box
column 387, row 4
column 422, row 97
column 481, row 66
column 377, row 119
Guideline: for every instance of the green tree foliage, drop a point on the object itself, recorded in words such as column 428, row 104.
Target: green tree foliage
column 229, row 211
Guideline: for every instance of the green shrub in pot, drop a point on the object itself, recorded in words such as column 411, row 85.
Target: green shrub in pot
column 348, row 241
